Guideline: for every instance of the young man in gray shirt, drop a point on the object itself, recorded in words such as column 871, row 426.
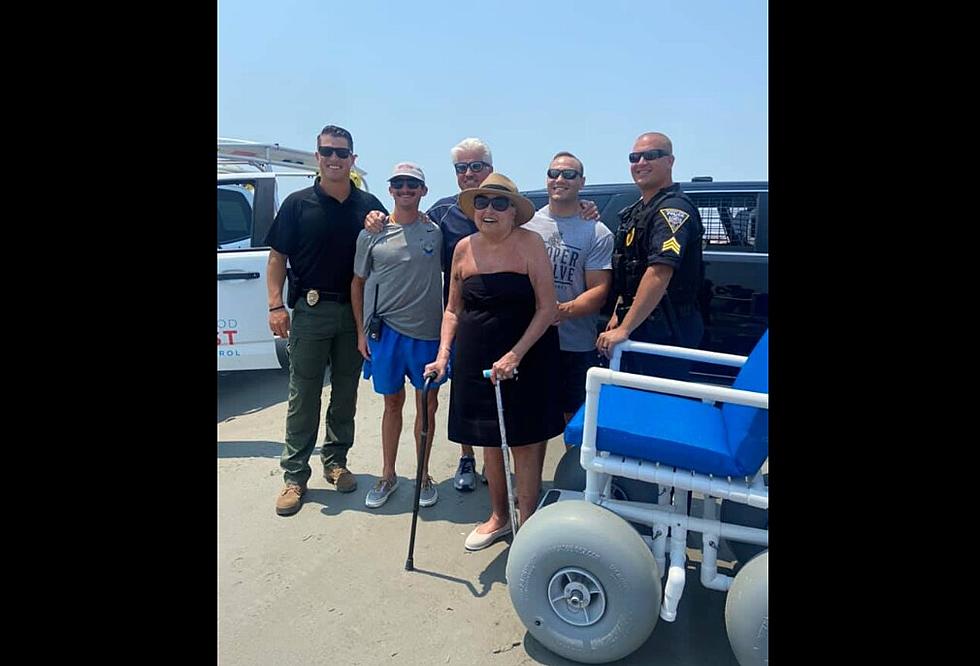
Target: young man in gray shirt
column 581, row 254
column 398, row 280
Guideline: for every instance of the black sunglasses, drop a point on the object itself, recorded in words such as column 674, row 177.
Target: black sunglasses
column 327, row 151
column 411, row 183
column 649, row 155
column 481, row 201
column 567, row 174
column 475, row 167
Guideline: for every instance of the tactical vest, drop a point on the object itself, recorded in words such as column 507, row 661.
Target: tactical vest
column 630, row 261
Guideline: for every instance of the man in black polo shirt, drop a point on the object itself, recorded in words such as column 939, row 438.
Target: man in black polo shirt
column 316, row 229
column 657, row 266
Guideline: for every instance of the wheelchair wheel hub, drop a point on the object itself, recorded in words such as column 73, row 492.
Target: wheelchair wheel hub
column 576, row 597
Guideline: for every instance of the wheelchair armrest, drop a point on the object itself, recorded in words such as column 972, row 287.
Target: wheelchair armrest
column 710, row 392
column 671, row 351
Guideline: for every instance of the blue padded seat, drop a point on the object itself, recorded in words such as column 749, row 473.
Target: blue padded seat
column 726, row 440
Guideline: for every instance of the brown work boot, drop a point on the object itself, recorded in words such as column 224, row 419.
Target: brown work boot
column 341, row 477
column 290, row 499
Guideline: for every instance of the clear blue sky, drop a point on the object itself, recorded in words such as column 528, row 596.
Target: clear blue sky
column 529, row 77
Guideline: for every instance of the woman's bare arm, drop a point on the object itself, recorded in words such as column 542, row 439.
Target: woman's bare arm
column 541, row 274
column 449, row 318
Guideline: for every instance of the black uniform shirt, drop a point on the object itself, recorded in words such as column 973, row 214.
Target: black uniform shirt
column 674, row 238
column 319, row 235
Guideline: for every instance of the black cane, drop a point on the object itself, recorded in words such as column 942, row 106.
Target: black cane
column 410, row 563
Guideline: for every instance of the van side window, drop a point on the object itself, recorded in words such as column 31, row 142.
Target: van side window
column 234, row 215
column 729, row 219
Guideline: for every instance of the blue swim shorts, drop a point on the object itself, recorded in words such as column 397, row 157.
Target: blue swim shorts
column 395, row 356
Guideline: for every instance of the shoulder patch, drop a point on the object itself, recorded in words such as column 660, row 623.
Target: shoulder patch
column 671, row 244
column 674, row 217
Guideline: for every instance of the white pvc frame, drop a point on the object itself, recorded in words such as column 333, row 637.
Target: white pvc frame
column 669, row 518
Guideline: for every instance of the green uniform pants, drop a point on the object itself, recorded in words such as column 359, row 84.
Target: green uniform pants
column 322, row 335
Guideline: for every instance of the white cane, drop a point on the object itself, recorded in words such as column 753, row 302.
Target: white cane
column 514, row 523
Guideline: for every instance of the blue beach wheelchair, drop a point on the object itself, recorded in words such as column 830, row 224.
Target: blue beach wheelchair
column 584, row 573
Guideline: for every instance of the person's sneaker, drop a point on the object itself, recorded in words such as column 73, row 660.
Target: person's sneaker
column 380, row 493
column 341, row 477
column 290, row 499
column 428, row 495
column 465, row 479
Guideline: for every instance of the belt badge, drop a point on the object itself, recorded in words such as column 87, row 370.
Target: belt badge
column 312, row 297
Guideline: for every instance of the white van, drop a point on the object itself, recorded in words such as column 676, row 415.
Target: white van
column 248, row 199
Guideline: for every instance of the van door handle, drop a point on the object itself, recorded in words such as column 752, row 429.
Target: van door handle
column 238, row 276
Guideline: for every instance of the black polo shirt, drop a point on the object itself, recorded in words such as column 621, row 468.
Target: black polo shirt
column 674, row 238
column 319, row 235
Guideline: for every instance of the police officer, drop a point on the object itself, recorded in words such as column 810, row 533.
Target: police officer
column 657, row 267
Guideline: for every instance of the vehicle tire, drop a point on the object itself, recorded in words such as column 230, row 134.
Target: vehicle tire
column 747, row 612
column 583, row 582
column 749, row 516
column 569, row 475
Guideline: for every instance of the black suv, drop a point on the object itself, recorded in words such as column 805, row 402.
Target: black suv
column 735, row 294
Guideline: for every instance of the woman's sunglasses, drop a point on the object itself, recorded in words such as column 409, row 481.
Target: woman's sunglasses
column 499, row 203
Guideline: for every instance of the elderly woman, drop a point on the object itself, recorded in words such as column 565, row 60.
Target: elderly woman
column 500, row 313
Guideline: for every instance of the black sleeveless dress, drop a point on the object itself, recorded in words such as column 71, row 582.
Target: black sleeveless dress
column 497, row 308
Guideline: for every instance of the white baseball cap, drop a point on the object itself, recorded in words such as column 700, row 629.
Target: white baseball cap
column 409, row 169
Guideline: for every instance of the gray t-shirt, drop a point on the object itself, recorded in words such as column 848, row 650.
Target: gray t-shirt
column 405, row 263
column 574, row 245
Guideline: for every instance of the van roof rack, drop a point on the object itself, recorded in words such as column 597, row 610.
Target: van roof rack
column 238, row 155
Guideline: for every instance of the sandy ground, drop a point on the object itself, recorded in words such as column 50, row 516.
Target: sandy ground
column 328, row 585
